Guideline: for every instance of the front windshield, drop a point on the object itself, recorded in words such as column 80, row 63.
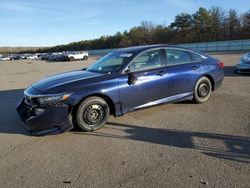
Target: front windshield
column 112, row 62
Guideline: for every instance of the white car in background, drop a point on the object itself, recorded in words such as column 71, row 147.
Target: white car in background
column 6, row 58
column 34, row 56
column 71, row 56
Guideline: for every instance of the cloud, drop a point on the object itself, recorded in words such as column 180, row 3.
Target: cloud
column 16, row 7
column 50, row 9
column 25, row 7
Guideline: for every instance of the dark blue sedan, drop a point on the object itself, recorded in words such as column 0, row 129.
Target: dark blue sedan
column 120, row 82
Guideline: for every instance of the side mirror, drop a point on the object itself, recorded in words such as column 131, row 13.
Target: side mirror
column 132, row 79
column 128, row 70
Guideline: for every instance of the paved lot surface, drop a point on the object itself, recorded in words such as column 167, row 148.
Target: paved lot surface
column 173, row 145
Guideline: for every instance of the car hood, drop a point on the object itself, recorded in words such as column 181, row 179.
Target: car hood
column 60, row 80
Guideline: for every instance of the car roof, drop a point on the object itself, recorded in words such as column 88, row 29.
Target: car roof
column 138, row 49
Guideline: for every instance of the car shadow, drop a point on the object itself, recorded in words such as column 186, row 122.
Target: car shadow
column 10, row 123
column 237, row 147
column 230, row 72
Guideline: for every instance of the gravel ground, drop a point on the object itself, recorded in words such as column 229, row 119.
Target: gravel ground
column 173, row 145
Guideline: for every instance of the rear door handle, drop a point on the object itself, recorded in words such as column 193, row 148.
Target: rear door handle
column 160, row 73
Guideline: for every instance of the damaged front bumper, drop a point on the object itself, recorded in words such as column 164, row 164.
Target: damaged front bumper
column 41, row 120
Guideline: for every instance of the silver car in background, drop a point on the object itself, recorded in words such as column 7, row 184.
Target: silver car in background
column 244, row 64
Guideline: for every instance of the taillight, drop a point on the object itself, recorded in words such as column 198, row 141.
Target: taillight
column 221, row 64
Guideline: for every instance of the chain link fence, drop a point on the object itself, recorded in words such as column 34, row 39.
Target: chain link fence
column 218, row 46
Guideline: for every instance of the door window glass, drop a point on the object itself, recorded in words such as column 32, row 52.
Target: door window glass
column 174, row 56
column 196, row 57
column 147, row 60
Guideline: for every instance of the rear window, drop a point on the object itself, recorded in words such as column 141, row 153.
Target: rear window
column 195, row 57
column 175, row 56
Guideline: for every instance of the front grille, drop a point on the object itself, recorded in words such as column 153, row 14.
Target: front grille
column 52, row 105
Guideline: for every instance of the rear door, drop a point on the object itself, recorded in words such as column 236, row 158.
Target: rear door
column 182, row 70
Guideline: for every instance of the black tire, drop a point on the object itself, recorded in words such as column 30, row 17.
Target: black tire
column 202, row 90
column 85, row 57
column 92, row 114
column 71, row 59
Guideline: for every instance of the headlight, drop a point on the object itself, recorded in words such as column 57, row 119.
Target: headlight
column 53, row 98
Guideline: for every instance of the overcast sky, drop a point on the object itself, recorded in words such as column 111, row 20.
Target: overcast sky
column 52, row 22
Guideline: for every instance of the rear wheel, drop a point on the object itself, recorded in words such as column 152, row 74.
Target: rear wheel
column 71, row 59
column 85, row 57
column 92, row 114
column 202, row 90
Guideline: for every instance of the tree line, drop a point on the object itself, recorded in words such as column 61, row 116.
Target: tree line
column 204, row 25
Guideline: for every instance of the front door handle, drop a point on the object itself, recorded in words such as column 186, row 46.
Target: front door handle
column 160, row 73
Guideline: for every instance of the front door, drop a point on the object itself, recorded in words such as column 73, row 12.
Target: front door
column 149, row 70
